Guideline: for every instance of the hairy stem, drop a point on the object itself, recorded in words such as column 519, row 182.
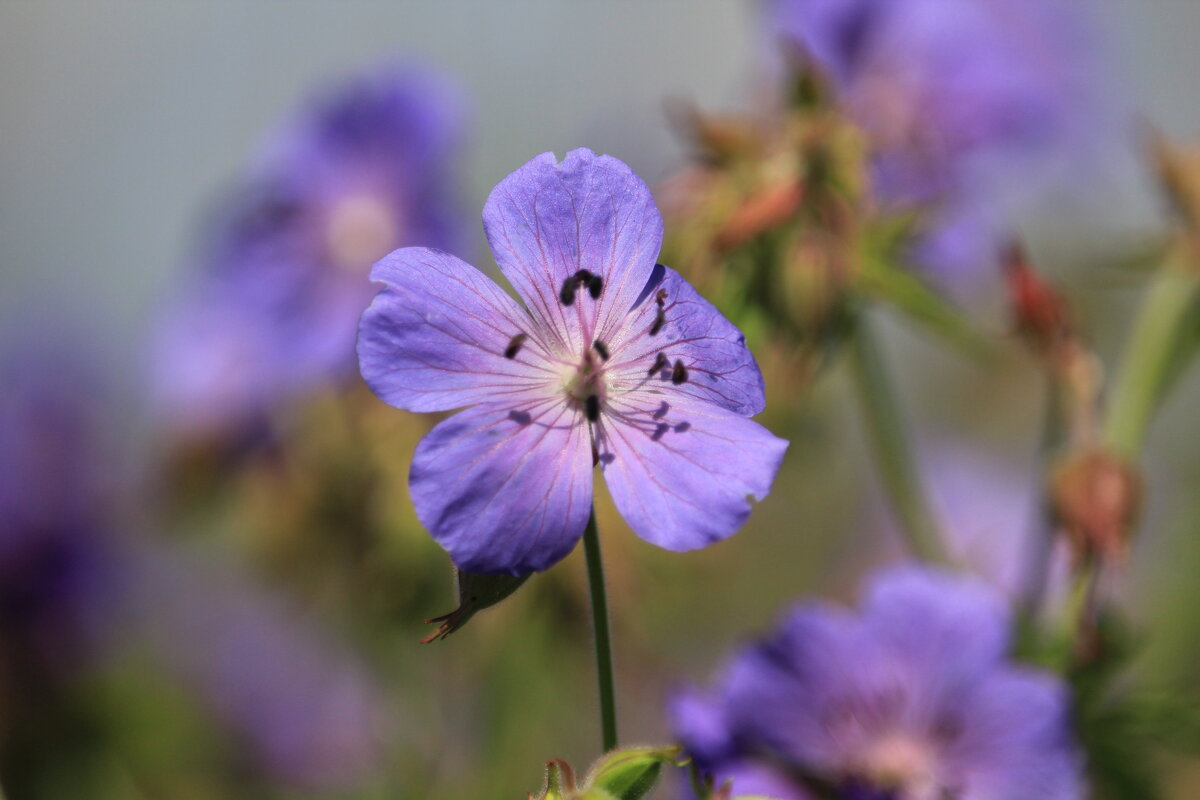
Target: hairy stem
column 893, row 452
column 604, row 660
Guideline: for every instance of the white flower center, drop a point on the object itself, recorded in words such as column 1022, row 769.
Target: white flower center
column 360, row 230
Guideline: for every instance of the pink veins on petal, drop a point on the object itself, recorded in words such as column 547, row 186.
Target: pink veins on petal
column 612, row 359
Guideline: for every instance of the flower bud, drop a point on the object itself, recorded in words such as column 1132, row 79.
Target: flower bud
column 1097, row 496
column 1039, row 311
column 631, row 773
column 628, row 774
column 560, row 782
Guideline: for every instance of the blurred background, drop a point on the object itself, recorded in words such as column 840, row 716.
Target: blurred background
column 218, row 591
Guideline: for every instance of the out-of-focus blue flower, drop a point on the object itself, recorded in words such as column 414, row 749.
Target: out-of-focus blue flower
column 304, row 710
column 356, row 172
column 75, row 587
column 57, row 568
column 990, row 512
column 972, row 106
column 612, row 360
column 910, row 700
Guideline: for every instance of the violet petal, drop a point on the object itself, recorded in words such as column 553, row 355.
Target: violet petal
column 505, row 489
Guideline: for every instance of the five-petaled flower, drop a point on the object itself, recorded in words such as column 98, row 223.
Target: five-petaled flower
column 612, row 360
column 911, row 700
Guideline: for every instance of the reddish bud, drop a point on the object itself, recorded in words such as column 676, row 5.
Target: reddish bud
column 1097, row 496
column 1040, row 313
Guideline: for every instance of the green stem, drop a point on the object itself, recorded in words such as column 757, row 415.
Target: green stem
column 893, row 452
column 1037, row 563
column 1146, row 364
column 604, row 660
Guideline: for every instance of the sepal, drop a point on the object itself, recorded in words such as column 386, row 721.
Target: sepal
column 475, row 593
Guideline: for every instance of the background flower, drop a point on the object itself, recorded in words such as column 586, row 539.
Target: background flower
column 357, row 171
column 911, row 699
column 974, row 110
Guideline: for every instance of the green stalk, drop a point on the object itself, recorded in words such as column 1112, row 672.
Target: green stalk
column 604, row 660
column 1037, row 560
column 893, row 452
column 1146, row 365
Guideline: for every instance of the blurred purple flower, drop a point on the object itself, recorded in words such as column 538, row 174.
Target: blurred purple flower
column 304, row 709
column 75, row 587
column 973, row 107
column 911, row 700
column 990, row 512
column 613, row 359
column 355, row 173
column 57, row 568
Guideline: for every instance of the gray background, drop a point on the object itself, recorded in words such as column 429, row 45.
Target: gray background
column 120, row 120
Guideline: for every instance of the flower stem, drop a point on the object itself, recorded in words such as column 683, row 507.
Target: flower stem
column 604, row 660
column 1039, row 552
column 1146, row 364
column 893, row 452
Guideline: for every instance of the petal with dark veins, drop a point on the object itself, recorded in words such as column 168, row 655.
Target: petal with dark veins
column 505, row 489
column 435, row 337
column 683, row 472
column 547, row 221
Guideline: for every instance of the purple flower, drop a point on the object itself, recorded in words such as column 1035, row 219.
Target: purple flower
column 612, row 360
column 301, row 707
column 58, row 570
column 354, row 174
column 76, row 586
column 910, row 700
column 972, row 107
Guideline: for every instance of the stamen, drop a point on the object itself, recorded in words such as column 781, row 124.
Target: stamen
column 591, row 408
column 567, row 293
column 514, row 345
column 660, row 319
column 660, row 297
column 660, row 363
column 679, row 374
column 601, row 348
column 594, row 284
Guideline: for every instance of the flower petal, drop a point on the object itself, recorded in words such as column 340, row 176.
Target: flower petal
column 505, row 489
column 940, row 623
column 547, row 221
column 435, row 337
column 681, row 471
column 720, row 368
column 1017, row 739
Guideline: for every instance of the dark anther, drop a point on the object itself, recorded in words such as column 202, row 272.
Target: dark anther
column 660, row 319
column 591, row 408
column 567, row 293
column 679, row 373
column 660, row 362
column 514, row 345
column 601, row 348
column 660, row 297
column 583, row 277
